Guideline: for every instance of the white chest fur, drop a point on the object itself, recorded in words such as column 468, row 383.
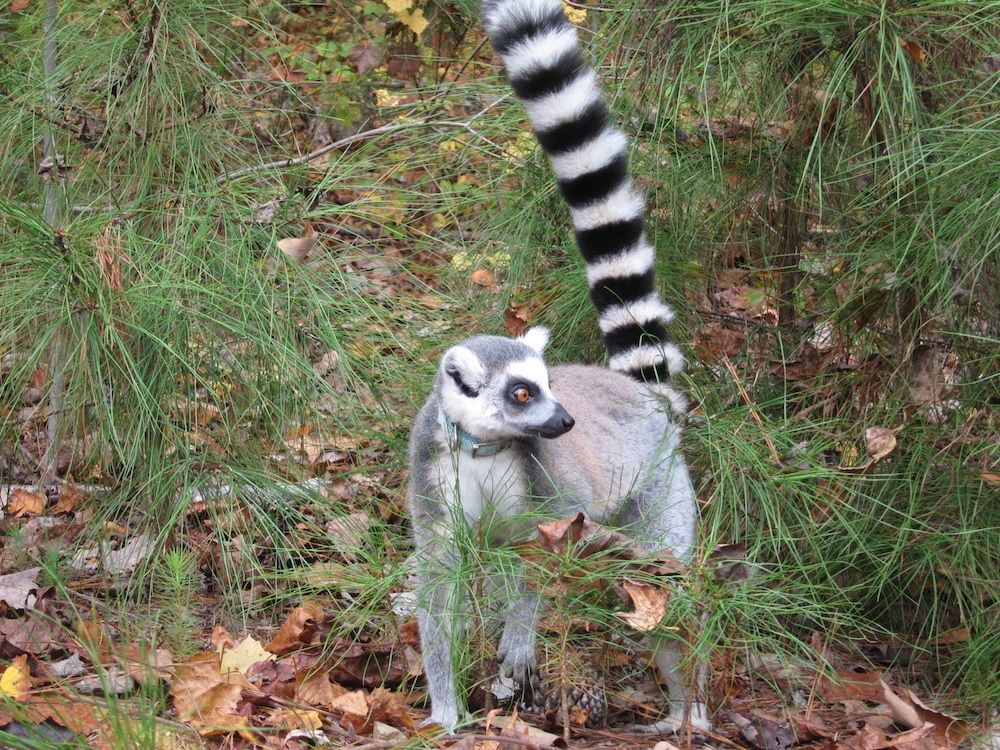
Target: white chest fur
column 483, row 485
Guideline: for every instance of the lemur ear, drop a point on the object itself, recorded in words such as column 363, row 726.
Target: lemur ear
column 464, row 367
column 537, row 337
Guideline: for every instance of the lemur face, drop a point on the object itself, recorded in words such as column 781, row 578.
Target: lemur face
column 498, row 388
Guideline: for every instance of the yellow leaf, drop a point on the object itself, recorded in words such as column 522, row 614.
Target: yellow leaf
column 16, row 679
column 397, row 6
column 244, row 655
column 575, row 15
column 414, row 21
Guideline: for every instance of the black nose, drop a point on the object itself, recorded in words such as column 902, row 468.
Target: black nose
column 558, row 424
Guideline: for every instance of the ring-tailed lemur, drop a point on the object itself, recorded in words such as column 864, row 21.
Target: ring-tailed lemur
column 494, row 437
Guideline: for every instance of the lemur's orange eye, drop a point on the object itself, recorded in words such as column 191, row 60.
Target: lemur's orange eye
column 521, row 394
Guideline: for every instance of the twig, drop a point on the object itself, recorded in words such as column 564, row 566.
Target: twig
column 49, row 462
column 753, row 410
column 363, row 136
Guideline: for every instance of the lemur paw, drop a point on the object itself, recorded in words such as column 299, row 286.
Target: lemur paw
column 518, row 666
column 697, row 721
column 447, row 719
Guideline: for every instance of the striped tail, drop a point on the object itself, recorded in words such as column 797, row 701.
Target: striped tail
column 542, row 56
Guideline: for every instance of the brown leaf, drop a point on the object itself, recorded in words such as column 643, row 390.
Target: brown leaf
column 222, row 638
column 299, row 630
column 718, row 342
column 69, row 499
column 315, row 688
column 206, row 698
column 728, row 562
column 484, row 277
column 391, row 708
column 24, row 501
column 65, row 710
column 35, row 633
column 916, row 52
column 852, row 684
column 516, row 319
column 297, row 248
column 512, row 726
column 147, row 665
column 880, row 442
column 909, row 711
column 650, row 605
column 364, row 56
column 294, row 718
column 17, row 6
column 20, row 590
column 354, row 710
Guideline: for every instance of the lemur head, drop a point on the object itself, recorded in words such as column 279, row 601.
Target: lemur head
column 498, row 388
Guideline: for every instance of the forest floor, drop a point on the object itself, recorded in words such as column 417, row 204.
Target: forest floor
column 205, row 633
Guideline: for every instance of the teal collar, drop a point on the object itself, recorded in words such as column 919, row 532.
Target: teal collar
column 459, row 439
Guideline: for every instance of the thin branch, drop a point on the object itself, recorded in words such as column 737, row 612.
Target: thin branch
column 49, row 462
column 776, row 457
column 363, row 136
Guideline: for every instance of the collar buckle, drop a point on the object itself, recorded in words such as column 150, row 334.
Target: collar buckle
column 459, row 440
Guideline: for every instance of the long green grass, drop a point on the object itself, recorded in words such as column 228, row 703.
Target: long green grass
column 192, row 346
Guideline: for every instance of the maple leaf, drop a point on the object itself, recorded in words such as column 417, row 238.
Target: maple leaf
column 414, row 20
column 16, row 679
column 244, row 655
column 206, row 698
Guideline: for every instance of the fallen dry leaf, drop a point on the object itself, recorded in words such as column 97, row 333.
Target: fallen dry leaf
column 293, row 718
column 206, row 698
column 390, row 707
column 297, row 248
column 299, row 630
column 24, row 501
column 16, row 679
column 880, row 442
column 516, row 319
column 852, row 684
column 484, row 277
column 916, row 52
column 244, row 655
column 69, row 500
column 909, row 711
column 65, row 710
column 512, row 726
column 364, row 56
column 650, row 605
column 315, row 688
column 19, row 590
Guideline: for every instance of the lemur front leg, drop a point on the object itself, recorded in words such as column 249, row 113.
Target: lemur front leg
column 439, row 600
column 516, row 652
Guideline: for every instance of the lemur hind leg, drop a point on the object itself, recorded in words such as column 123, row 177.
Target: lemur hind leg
column 663, row 516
